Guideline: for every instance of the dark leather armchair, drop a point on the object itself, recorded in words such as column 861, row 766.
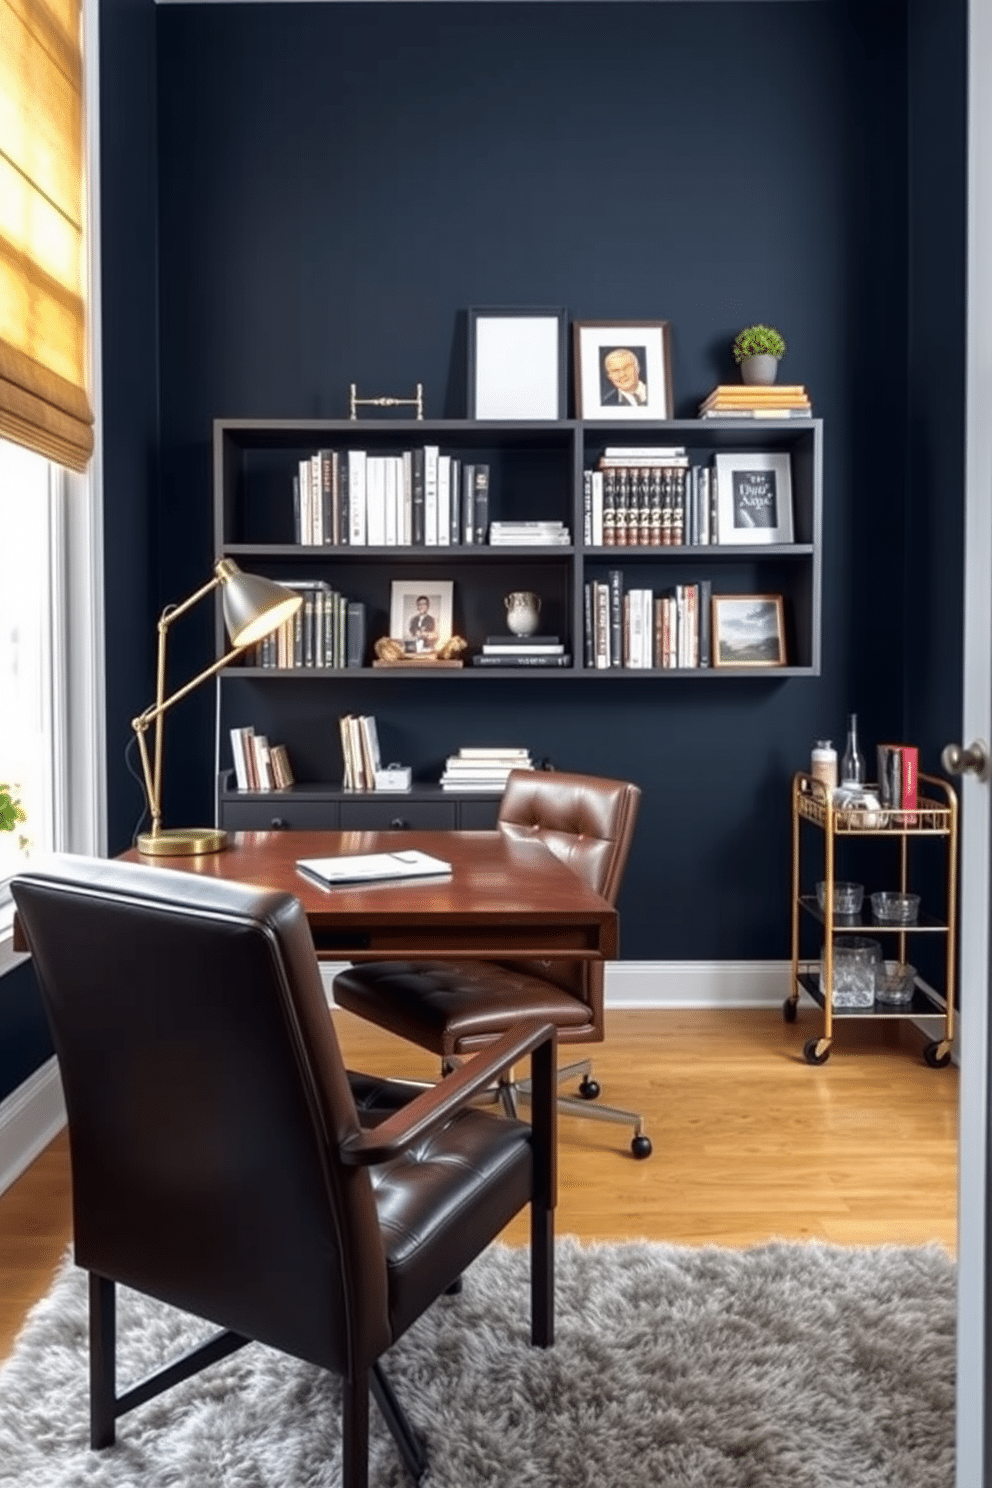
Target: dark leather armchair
column 456, row 1007
column 225, row 1162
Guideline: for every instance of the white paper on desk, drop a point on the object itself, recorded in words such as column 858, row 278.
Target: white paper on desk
column 374, row 867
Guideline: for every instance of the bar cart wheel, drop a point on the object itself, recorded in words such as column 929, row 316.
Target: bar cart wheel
column 789, row 1009
column 816, row 1050
column 938, row 1054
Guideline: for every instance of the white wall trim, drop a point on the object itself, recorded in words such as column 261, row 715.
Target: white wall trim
column 29, row 1118
column 673, row 984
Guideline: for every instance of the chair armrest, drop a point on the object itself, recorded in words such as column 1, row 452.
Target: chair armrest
column 429, row 1110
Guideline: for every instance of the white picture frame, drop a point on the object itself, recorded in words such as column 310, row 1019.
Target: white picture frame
column 623, row 369
column 408, row 613
column 753, row 497
column 517, row 363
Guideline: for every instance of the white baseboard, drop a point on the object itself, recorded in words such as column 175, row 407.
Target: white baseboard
column 29, row 1118
column 673, row 984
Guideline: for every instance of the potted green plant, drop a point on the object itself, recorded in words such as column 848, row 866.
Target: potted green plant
column 11, row 811
column 757, row 349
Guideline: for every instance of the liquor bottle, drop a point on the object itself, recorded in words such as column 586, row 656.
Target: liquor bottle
column 852, row 765
column 824, row 763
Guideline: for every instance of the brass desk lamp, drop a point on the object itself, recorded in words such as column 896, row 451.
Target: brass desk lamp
column 253, row 607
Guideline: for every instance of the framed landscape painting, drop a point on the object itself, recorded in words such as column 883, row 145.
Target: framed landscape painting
column 754, row 497
column 623, row 369
column 748, row 630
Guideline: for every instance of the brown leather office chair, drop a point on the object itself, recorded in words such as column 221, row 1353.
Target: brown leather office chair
column 223, row 1160
column 455, row 1007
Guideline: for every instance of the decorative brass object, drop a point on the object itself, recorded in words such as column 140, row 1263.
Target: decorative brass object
column 392, row 653
column 253, row 608
column 385, row 402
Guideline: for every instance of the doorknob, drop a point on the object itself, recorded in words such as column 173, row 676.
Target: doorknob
column 971, row 759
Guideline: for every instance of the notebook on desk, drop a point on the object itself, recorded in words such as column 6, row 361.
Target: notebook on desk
column 373, row 868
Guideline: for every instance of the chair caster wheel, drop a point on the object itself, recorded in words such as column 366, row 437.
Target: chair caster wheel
column 641, row 1146
column 816, row 1051
column 588, row 1089
column 455, row 1287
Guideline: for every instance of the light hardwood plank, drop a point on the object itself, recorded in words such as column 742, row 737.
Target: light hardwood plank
column 750, row 1142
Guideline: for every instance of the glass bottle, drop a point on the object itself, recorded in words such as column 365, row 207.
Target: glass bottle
column 852, row 765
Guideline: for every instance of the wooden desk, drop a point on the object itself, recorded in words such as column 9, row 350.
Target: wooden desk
column 509, row 897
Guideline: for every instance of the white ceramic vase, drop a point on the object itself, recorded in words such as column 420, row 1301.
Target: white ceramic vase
column 523, row 612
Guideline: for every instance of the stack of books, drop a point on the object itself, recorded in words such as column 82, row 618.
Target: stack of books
column 483, row 769
column 522, row 651
column 737, row 400
column 529, row 535
column 259, row 765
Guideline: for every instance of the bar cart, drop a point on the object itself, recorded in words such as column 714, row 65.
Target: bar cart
column 935, row 815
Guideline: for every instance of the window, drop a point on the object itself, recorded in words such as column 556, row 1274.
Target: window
column 32, row 626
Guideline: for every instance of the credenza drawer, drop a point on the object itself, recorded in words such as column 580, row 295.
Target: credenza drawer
column 398, row 814
column 266, row 816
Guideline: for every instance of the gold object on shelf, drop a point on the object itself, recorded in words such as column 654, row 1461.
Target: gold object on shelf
column 253, row 608
column 417, row 401
column 934, row 815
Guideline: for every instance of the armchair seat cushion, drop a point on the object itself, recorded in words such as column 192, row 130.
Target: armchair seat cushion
column 444, row 1198
column 454, row 1007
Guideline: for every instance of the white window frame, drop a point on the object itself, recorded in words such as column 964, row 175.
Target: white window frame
column 78, row 704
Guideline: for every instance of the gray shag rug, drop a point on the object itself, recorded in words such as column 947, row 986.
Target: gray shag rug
column 784, row 1366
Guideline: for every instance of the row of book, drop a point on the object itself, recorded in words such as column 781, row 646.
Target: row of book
column 644, row 631
column 328, row 630
column 259, row 765
column 649, row 498
column 420, row 498
column 482, row 769
column 740, row 400
column 359, row 751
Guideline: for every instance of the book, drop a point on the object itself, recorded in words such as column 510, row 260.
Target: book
column 548, row 649
column 239, row 754
column 480, row 751
column 530, row 640
column 643, row 452
column 432, row 454
column 282, row 770
column 355, row 632
column 520, row 661
column 362, row 868
column 480, row 504
column 757, row 413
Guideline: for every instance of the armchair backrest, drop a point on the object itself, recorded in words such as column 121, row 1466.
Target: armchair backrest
column 588, row 822
column 206, row 1101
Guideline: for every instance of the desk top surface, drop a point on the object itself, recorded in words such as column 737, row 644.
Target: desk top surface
column 499, row 876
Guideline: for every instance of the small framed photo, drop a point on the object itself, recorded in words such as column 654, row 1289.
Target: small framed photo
column 420, row 614
column 748, row 630
column 623, row 369
column 754, row 497
column 517, row 361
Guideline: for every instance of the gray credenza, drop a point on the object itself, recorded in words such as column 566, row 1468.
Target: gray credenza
column 326, row 808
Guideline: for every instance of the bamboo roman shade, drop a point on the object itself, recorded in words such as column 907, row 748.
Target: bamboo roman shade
column 43, row 401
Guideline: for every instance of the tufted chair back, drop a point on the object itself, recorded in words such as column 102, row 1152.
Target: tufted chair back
column 588, row 822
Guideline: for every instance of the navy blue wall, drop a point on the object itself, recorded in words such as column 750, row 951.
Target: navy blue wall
column 339, row 182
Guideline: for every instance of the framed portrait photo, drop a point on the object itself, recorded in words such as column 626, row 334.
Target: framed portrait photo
column 623, row 369
column 517, row 363
column 754, row 497
column 420, row 614
column 748, row 630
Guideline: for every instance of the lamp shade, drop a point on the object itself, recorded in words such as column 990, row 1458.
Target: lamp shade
column 253, row 606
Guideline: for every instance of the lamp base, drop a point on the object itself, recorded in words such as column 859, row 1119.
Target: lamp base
column 182, row 842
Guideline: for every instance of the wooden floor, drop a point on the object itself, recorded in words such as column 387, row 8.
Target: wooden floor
column 750, row 1143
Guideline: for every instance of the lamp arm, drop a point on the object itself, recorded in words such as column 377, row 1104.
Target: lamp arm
column 153, row 773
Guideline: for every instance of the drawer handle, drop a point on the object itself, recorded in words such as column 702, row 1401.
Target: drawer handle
column 279, row 823
column 400, row 823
